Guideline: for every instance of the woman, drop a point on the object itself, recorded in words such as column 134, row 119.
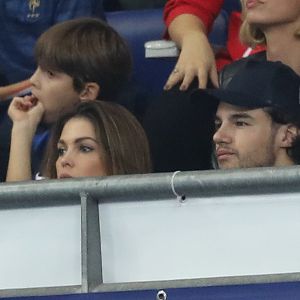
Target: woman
column 97, row 139
column 273, row 24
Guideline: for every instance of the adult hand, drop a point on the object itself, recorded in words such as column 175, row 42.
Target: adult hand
column 196, row 60
column 27, row 111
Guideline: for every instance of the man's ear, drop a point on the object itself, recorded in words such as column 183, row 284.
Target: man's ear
column 288, row 135
column 90, row 92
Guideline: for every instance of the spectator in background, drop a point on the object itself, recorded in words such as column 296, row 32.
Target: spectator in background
column 273, row 24
column 97, row 139
column 188, row 25
column 22, row 22
column 78, row 60
column 189, row 21
column 257, row 122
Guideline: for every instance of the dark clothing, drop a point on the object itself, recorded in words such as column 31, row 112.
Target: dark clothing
column 141, row 4
column 22, row 22
column 179, row 133
column 180, row 129
column 38, row 148
column 5, row 132
column 113, row 5
column 3, row 80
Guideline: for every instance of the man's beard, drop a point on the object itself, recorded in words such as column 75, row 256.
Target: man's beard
column 262, row 157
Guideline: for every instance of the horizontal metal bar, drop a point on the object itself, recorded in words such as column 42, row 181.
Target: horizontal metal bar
column 157, row 285
column 44, row 291
column 151, row 186
column 199, row 282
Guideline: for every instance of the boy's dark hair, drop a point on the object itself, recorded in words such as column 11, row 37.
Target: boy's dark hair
column 280, row 117
column 88, row 50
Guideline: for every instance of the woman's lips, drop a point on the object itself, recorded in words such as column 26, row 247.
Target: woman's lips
column 62, row 176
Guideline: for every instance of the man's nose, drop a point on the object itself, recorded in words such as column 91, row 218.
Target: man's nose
column 222, row 135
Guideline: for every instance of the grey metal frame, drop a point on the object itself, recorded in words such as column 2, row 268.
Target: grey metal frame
column 88, row 192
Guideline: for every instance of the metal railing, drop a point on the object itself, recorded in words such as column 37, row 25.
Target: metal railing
column 89, row 192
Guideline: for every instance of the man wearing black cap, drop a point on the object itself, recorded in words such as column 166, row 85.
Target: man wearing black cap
column 258, row 117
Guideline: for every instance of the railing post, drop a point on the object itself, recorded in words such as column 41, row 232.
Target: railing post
column 91, row 265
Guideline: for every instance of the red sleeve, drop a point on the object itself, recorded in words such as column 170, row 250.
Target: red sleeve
column 206, row 10
column 235, row 48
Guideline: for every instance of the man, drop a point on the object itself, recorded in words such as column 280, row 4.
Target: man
column 258, row 117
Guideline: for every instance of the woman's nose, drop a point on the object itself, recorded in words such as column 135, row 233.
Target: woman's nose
column 67, row 160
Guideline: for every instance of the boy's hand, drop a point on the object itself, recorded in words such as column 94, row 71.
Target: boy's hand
column 26, row 111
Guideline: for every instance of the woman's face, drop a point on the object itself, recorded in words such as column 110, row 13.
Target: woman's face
column 272, row 12
column 79, row 151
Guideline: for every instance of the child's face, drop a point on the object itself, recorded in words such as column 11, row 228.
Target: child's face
column 79, row 151
column 56, row 92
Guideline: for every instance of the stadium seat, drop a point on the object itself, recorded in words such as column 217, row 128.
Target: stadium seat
column 231, row 5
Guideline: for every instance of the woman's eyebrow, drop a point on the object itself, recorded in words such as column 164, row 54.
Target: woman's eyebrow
column 61, row 141
column 80, row 139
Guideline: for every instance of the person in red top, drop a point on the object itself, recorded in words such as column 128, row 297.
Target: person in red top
column 188, row 23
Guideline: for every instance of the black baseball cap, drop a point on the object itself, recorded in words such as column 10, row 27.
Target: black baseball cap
column 258, row 84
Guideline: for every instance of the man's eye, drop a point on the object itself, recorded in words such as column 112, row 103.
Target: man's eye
column 61, row 151
column 217, row 125
column 86, row 149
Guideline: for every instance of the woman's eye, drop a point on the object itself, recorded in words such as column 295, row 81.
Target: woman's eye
column 61, row 151
column 86, row 149
column 241, row 123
